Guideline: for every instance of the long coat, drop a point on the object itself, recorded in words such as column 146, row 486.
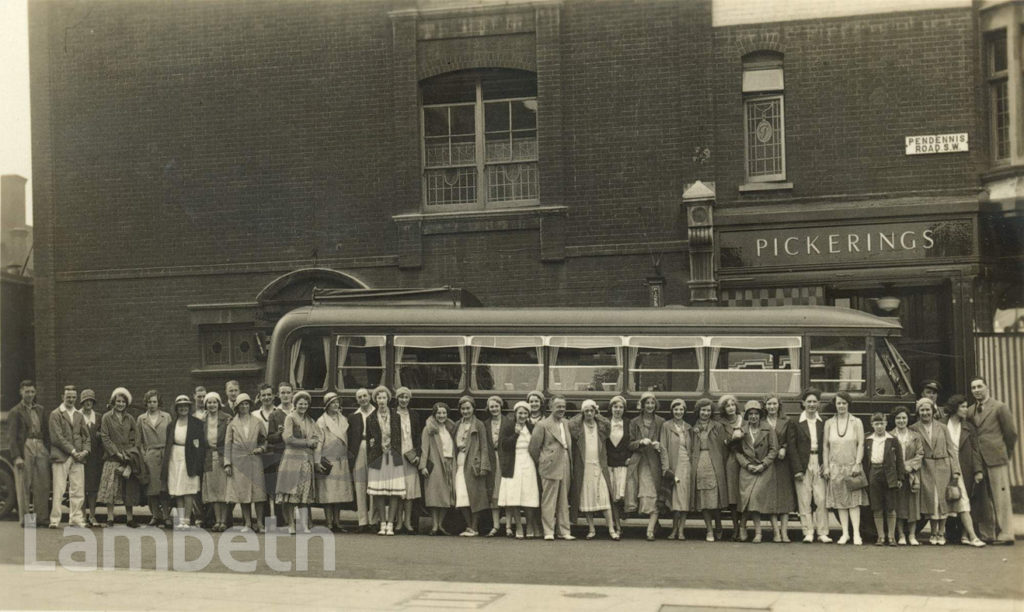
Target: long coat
column 969, row 455
column 477, row 471
column 579, row 454
column 494, row 484
column 781, row 477
column 336, row 487
column 717, row 452
column 153, row 441
column 439, row 484
column 642, row 455
column 94, row 462
column 938, row 468
column 246, row 483
column 732, row 466
column 671, row 441
column 908, row 501
column 756, row 491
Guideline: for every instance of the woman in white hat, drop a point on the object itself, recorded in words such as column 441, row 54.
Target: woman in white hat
column 120, row 436
column 245, row 441
column 295, row 484
column 335, row 487
column 213, row 413
column 183, row 462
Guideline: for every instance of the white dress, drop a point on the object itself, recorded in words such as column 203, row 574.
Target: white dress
column 964, row 503
column 461, row 492
column 178, row 481
column 521, row 490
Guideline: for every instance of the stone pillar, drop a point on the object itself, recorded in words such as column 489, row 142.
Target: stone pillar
column 699, row 199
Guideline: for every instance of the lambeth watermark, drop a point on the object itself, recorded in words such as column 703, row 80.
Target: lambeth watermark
column 86, row 550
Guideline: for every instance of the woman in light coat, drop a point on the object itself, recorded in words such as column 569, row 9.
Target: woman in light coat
column 755, row 453
column 710, row 493
column 295, row 477
column 437, row 465
column 940, row 468
column 152, row 426
column 215, row 479
column 244, row 443
column 335, row 487
column 676, row 457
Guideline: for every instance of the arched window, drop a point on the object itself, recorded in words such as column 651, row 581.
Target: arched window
column 764, row 119
column 480, row 140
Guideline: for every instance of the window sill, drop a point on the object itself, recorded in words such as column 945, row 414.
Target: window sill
column 1002, row 171
column 756, row 187
column 548, row 220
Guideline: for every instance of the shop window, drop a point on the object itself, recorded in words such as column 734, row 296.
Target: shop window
column 764, row 130
column 585, row 363
column 430, row 362
column 666, row 363
column 755, row 364
column 309, row 356
column 839, row 363
column 360, row 361
column 480, row 140
column 507, row 363
column 225, row 347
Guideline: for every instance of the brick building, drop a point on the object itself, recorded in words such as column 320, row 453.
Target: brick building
column 200, row 165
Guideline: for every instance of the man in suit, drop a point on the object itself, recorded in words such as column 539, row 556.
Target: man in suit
column 805, row 460
column 997, row 436
column 30, row 443
column 69, row 446
column 273, row 419
column 551, row 447
column 366, row 514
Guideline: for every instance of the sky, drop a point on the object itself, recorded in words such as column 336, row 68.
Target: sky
column 15, row 117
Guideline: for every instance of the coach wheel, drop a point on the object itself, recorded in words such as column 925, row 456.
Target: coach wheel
column 8, row 494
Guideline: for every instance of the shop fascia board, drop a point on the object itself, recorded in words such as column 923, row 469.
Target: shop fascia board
column 853, row 210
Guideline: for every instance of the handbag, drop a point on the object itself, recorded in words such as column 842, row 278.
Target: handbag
column 915, row 482
column 412, row 456
column 857, row 481
column 325, row 466
column 952, row 492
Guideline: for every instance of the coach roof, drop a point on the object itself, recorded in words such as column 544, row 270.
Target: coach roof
column 699, row 320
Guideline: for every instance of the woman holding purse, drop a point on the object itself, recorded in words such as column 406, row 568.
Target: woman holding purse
column 908, row 497
column 844, row 452
column 940, row 470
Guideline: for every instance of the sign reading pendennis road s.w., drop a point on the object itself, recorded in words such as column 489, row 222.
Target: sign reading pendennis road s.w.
column 936, row 143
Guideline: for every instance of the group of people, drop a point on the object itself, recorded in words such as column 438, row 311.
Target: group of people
column 542, row 470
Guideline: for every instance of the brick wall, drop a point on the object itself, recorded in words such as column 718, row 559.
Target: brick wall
column 231, row 137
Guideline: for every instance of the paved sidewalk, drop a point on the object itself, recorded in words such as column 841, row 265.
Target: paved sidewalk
column 153, row 590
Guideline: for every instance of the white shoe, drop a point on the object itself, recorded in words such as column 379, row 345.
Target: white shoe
column 391, row 529
column 549, row 538
column 857, row 541
column 383, row 529
column 568, row 537
column 824, row 539
column 808, row 539
column 843, row 539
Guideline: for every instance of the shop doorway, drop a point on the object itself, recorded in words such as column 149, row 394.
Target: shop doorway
column 927, row 319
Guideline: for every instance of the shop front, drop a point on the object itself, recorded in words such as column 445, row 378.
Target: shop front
column 915, row 259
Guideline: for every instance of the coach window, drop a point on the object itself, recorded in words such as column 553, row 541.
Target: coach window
column 480, row 140
column 755, row 364
column 839, row 363
column 666, row 363
column 360, row 361
column 430, row 362
column 585, row 363
column 507, row 363
column 309, row 358
column 764, row 131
